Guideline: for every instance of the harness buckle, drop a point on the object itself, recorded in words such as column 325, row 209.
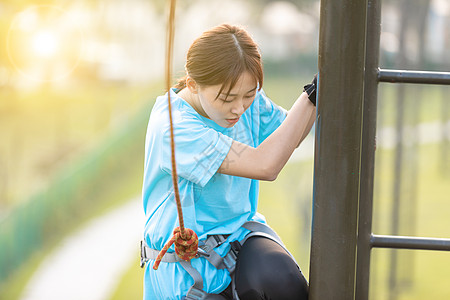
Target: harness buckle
column 220, row 239
column 144, row 258
column 230, row 259
column 195, row 294
column 201, row 252
column 235, row 247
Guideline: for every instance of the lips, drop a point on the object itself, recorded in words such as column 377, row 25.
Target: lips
column 233, row 121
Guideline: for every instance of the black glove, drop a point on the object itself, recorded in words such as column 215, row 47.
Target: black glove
column 310, row 89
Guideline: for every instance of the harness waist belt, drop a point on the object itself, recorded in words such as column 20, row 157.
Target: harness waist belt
column 206, row 250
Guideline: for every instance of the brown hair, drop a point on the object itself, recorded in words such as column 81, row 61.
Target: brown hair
column 220, row 56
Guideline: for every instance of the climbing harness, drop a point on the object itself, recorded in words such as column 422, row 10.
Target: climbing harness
column 206, row 250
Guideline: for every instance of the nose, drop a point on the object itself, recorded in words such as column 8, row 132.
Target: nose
column 238, row 107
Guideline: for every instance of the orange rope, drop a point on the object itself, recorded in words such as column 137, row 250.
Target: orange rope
column 186, row 248
column 185, row 239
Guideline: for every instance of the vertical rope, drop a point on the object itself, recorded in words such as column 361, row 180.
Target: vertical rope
column 169, row 53
column 185, row 239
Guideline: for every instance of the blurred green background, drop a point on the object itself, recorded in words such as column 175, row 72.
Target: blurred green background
column 77, row 83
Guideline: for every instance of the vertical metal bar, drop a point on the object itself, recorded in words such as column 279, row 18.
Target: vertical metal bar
column 368, row 149
column 338, row 149
column 399, row 151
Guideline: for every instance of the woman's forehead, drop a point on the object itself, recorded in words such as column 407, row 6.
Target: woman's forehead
column 245, row 83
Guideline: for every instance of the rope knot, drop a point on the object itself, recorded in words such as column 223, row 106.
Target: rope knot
column 185, row 247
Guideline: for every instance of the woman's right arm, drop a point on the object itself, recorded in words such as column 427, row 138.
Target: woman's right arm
column 268, row 159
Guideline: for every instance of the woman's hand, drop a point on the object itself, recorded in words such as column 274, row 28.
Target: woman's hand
column 311, row 89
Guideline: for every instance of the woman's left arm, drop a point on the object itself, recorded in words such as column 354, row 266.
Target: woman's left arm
column 312, row 119
column 266, row 161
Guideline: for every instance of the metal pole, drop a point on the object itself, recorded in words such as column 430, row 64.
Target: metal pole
column 338, row 149
column 409, row 242
column 368, row 149
column 418, row 77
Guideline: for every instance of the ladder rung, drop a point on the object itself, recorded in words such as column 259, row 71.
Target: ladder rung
column 402, row 76
column 404, row 242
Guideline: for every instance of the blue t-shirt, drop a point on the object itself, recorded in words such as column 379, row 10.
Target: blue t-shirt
column 212, row 203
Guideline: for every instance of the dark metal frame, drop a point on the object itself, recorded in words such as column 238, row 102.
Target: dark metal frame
column 368, row 149
column 338, row 149
column 342, row 237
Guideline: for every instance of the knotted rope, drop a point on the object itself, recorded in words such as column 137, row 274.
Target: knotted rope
column 185, row 248
column 185, row 239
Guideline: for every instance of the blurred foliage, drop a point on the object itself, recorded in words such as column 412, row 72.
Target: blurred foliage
column 91, row 183
column 46, row 129
column 107, row 175
column 301, row 65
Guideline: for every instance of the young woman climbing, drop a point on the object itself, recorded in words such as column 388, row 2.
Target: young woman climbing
column 228, row 135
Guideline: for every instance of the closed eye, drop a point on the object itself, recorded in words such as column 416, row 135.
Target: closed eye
column 227, row 100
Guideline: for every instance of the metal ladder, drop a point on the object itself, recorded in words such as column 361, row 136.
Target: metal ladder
column 342, row 237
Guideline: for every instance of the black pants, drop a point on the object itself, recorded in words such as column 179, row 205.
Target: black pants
column 265, row 271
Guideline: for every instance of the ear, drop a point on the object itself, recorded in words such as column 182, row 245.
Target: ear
column 191, row 85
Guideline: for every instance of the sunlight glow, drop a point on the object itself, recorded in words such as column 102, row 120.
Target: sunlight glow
column 45, row 43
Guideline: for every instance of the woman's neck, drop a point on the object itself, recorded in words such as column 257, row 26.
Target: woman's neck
column 193, row 100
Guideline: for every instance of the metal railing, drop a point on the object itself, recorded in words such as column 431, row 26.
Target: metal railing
column 332, row 273
column 423, row 77
column 408, row 242
column 373, row 76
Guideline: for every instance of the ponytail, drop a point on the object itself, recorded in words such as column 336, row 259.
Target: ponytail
column 181, row 83
column 220, row 56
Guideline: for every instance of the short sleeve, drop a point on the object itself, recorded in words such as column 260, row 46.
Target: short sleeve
column 270, row 116
column 199, row 150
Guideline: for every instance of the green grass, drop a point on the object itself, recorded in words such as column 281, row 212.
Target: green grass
column 421, row 274
column 131, row 286
column 428, row 100
column 12, row 288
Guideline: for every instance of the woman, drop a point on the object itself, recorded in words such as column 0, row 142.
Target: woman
column 228, row 135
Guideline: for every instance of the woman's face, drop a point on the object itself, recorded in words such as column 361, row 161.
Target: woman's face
column 226, row 111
